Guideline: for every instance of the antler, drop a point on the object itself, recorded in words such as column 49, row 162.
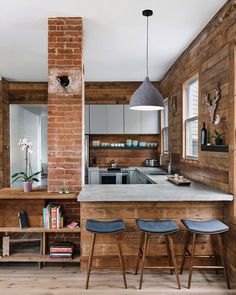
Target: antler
column 218, row 94
column 207, row 99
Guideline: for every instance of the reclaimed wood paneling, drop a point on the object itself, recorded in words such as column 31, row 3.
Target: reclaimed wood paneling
column 129, row 211
column 132, row 158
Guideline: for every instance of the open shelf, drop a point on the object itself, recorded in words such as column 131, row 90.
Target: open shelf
column 33, row 257
column 39, row 230
column 215, row 148
column 122, row 148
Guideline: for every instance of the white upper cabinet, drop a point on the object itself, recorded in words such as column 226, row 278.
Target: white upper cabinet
column 150, row 122
column 115, row 120
column 132, row 121
column 86, row 121
column 98, row 119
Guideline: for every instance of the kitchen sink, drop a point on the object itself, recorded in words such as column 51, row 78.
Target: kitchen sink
column 158, row 173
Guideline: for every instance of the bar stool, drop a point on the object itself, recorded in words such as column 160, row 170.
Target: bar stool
column 209, row 227
column 162, row 227
column 105, row 227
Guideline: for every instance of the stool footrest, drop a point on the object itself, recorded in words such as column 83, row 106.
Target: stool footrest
column 208, row 267
column 159, row 267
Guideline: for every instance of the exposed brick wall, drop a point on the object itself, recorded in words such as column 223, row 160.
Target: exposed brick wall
column 65, row 114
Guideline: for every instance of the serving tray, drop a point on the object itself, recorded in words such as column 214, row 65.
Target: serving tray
column 184, row 182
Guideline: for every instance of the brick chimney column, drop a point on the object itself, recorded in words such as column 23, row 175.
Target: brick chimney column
column 65, row 103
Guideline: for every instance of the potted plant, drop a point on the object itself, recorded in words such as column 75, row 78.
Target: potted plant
column 27, row 177
column 218, row 137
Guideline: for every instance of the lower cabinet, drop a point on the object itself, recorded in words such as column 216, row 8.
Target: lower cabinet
column 93, row 177
column 133, row 176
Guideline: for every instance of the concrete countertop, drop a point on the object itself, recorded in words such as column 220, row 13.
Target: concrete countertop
column 162, row 190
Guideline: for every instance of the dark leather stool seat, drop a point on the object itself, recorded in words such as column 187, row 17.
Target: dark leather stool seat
column 113, row 227
column 214, row 228
column 209, row 227
column 105, row 227
column 157, row 227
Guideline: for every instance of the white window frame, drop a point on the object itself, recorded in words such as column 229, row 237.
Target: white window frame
column 165, row 128
column 187, row 120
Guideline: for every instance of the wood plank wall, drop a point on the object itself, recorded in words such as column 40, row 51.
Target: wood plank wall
column 211, row 55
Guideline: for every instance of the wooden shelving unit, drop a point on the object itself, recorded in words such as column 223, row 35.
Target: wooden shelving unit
column 14, row 200
column 215, row 148
column 122, row 148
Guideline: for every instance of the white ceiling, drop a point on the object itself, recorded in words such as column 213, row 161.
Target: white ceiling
column 114, row 35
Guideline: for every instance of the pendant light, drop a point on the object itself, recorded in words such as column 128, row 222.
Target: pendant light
column 146, row 97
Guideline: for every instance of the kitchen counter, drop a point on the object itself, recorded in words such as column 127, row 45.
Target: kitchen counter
column 162, row 190
column 161, row 200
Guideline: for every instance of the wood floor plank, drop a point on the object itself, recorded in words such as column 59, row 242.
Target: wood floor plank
column 55, row 280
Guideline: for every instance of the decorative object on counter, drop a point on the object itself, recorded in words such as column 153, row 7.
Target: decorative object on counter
column 178, row 180
column 212, row 105
column 218, row 137
column 174, row 106
column 27, row 177
column 204, row 134
column 63, row 190
column 146, row 97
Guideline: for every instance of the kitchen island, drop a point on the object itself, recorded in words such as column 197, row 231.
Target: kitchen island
column 160, row 200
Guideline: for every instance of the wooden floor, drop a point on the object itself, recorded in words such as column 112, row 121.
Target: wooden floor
column 52, row 280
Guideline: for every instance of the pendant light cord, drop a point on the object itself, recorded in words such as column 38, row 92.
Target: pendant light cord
column 147, row 48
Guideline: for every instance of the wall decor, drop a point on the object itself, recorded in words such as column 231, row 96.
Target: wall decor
column 174, row 105
column 212, row 104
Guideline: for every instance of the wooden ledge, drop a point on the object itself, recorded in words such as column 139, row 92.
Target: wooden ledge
column 36, row 194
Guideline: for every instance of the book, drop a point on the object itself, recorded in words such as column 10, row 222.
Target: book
column 58, row 217
column 23, row 219
column 54, row 217
column 73, row 224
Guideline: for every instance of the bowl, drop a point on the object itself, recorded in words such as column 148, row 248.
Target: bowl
column 135, row 143
column 142, row 144
column 128, row 142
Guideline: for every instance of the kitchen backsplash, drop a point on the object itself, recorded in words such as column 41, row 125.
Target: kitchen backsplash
column 123, row 157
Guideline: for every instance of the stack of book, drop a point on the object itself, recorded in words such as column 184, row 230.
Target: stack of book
column 62, row 250
column 52, row 218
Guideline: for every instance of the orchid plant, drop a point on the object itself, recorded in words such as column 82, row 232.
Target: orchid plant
column 27, row 175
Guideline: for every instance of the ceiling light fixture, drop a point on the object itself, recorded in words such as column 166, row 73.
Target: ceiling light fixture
column 146, row 97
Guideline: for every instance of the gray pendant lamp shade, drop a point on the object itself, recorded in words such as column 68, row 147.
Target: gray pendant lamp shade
column 146, row 97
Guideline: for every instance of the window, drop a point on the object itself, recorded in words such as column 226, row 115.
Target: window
column 165, row 128
column 190, row 116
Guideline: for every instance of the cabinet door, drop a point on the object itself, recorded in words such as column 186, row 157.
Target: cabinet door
column 93, row 177
column 115, row 120
column 86, row 121
column 150, row 122
column 133, row 176
column 132, row 121
column 98, row 119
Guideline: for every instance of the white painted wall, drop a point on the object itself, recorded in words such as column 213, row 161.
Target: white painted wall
column 23, row 124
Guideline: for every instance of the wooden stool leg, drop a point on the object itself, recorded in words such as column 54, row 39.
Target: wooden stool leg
column 143, row 260
column 184, row 252
column 90, row 260
column 174, row 259
column 140, row 252
column 191, row 261
column 121, row 259
column 214, row 252
column 223, row 260
column 169, row 253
